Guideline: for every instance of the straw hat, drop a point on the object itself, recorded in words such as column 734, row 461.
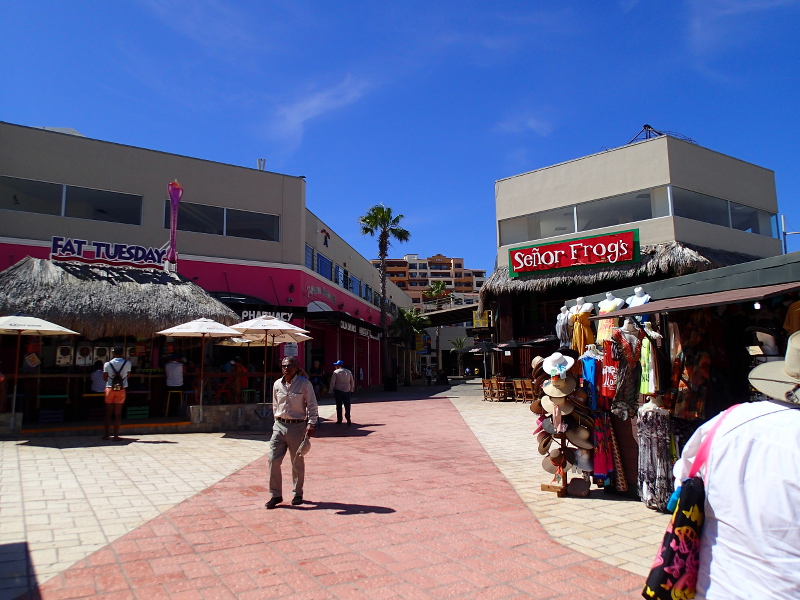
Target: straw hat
column 557, row 364
column 304, row 448
column 538, row 382
column 780, row 379
column 549, row 404
column 559, row 387
column 566, row 459
column 579, row 396
column 536, row 406
column 581, row 437
column 536, row 365
column 544, row 440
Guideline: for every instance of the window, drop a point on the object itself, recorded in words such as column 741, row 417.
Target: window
column 252, row 225
column 459, row 266
column 753, row 220
column 459, row 274
column 412, row 275
column 367, row 293
column 412, row 265
column 30, row 196
column 355, row 286
column 416, row 300
column 423, row 265
column 616, row 210
column 99, row 205
column 401, row 284
column 309, row 257
column 700, row 207
column 198, row 218
column 324, row 266
column 338, row 275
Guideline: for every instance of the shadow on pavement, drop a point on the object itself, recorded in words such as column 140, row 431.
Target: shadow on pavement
column 87, row 442
column 343, row 509
column 16, row 572
column 334, row 429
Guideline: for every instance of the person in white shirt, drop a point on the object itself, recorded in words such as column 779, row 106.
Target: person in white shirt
column 97, row 379
column 750, row 543
column 294, row 405
column 342, row 385
column 120, row 368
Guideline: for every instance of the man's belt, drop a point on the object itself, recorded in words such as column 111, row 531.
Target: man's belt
column 282, row 420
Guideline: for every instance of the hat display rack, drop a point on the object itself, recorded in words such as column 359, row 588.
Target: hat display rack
column 564, row 423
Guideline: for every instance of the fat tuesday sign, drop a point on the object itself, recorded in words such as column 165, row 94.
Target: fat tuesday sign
column 126, row 255
column 608, row 249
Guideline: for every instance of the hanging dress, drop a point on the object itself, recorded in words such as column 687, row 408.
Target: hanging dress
column 606, row 326
column 655, row 480
column 608, row 376
column 591, row 367
column 582, row 334
column 649, row 383
column 629, row 374
column 563, row 330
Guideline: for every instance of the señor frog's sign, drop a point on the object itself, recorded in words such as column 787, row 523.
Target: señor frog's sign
column 107, row 253
column 607, row 249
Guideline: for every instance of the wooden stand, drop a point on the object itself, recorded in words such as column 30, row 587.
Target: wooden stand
column 559, row 488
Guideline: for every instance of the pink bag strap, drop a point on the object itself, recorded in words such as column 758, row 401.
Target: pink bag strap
column 705, row 446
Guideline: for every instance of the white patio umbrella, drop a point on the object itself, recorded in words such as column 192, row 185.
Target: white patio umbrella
column 24, row 325
column 201, row 328
column 274, row 332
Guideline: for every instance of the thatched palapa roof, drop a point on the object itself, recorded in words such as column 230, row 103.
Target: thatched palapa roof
column 659, row 261
column 104, row 301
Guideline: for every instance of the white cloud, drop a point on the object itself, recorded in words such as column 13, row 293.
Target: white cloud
column 290, row 119
column 525, row 123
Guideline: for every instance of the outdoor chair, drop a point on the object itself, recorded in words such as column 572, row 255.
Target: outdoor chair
column 528, row 395
column 487, row 389
column 519, row 391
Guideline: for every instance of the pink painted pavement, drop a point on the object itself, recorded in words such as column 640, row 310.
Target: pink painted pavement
column 405, row 504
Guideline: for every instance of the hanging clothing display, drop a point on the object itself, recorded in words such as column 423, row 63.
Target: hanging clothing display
column 582, row 334
column 608, row 380
column 649, row 383
column 591, row 366
column 603, row 459
column 627, row 352
column 655, row 479
column 606, row 326
column 564, row 330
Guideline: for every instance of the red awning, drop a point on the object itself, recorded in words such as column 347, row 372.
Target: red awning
column 700, row 300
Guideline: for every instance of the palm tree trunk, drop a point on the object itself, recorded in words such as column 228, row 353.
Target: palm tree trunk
column 389, row 378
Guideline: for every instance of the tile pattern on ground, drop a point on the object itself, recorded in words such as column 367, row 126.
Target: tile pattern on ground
column 405, row 505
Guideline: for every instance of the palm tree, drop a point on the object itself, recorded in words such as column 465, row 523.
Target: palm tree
column 458, row 345
column 381, row 221
column 408, row 325
column 435, row 291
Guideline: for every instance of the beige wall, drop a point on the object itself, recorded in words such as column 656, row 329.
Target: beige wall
column 66, row 159
column 702, row 170
column 724, row 238
column 618, row 171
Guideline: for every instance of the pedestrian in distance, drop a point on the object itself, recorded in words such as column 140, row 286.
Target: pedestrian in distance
column 115, row 373
column 342, row 386
column 750, row 541
column 295, row 408
column 317, row 375
column 428, row 375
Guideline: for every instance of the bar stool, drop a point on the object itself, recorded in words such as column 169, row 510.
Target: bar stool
column 169, row 396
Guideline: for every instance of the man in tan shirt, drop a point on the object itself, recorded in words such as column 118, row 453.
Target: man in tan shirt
column 295, row 408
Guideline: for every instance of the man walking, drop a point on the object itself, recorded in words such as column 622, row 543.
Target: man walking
column 115, row 373
column 342, row 385
column 295, row 408
column 428, row 375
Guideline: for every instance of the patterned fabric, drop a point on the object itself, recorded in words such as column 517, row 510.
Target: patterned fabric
column 603, row 459
column 564, row 330
column 608, row 381
column 606, row 326
column 620, row 481
column 582, row 334
column 648, row 385
column 629, row 374
column 674, row 571
column 655, row 481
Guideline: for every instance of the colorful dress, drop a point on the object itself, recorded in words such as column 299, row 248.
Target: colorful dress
column 649, row 383
column 590, row 371
column 606, row 326
column 629, row 374
column 608, row 379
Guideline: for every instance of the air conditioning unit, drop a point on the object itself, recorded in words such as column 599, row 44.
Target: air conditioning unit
column 83, row 356
column 64, row 356
column 102, row 353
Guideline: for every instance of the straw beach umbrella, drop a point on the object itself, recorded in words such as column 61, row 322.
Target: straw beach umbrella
column 201, row 328
column 25, row 325
column 271, row 332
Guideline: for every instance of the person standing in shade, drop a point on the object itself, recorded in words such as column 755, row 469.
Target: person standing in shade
column 428, row 375
column 115, row 372
column 295, row 408
column 342, row 385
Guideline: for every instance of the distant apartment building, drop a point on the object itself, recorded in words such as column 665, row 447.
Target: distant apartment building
column 414, row 275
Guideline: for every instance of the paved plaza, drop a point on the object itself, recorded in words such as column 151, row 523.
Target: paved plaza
column 432, row 493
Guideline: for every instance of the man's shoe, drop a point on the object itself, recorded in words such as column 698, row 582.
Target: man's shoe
column 273, row 502
column 297, row 500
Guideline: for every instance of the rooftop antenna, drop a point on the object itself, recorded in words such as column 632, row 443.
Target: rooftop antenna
column 262, row 164
column 648, row 133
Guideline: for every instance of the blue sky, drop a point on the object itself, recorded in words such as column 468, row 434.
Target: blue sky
column 419, row 105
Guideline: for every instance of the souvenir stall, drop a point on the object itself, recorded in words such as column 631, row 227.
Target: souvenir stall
column 619, row 413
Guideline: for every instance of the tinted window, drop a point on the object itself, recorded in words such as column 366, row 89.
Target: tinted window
column 700, row 207
column 99, row 205
column 197, row 217
column 324, row 266
column 30, row 196
column 252, row 225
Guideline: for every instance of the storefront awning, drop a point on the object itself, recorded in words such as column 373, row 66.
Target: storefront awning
column 336, row 317
column 701, row 300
